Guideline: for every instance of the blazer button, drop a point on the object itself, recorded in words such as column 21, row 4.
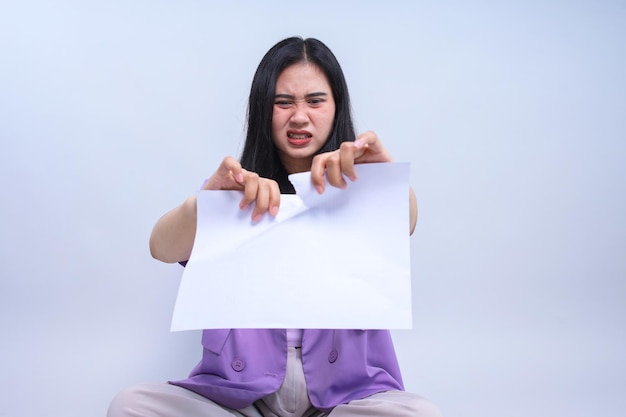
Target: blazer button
column 332, row 356
column 238, row 365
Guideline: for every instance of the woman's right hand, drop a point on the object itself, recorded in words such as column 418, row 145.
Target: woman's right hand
column 263, row 192
column 174, row 233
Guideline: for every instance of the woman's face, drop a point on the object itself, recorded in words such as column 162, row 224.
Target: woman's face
column 304, row 111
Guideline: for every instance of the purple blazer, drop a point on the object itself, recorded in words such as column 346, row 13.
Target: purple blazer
column 240, row 366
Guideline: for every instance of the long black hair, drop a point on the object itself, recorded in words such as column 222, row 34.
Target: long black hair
column 259, row 153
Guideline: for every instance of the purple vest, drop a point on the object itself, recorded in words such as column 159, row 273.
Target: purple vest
column 240, row 366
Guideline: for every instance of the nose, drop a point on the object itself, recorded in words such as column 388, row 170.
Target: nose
column 300, row 114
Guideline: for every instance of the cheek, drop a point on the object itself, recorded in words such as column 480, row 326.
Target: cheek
column 328, row 120
column 275, row 122
column 331, row 112
column 278, row 119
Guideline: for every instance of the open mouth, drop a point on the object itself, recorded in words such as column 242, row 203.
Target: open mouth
column 299, row 138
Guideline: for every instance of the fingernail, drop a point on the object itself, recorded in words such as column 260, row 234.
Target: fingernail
column 358, row 143
column 239, row 177
column 319, row 189
column 274, row 210
column 257, row 217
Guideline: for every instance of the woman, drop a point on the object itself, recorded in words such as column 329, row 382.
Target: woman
column 298, row 120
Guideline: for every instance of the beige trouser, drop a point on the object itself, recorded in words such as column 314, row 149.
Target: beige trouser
column 291, row 400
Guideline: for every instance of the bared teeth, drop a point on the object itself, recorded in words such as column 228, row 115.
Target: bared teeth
column 297, row 136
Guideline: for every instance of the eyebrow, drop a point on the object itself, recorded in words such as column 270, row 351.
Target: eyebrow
column 310, row 95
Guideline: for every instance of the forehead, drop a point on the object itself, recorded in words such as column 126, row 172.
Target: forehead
column 303, row 78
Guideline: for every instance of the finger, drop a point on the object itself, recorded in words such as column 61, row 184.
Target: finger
column 365, row 140
column 274, row 198
column 267, row 199
column 369, row 148
column 347, row 160
column 228, row 176
column 234, row 169
column 334, row 172
column 251, row 185
column 318, row 168
column 262, row 201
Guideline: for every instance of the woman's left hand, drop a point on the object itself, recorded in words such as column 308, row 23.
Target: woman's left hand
column 337, row 164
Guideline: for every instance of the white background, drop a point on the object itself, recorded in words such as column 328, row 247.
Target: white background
column 512, row 115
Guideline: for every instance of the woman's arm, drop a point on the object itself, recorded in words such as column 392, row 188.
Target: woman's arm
column 412, row 211
column 173, row 234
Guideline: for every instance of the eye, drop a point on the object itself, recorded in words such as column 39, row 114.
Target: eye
column 283, row 104
column 316, row 102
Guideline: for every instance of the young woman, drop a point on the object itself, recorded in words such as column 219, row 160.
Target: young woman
column 298, row 120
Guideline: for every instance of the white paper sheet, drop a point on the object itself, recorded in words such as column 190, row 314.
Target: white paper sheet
column 337, row 260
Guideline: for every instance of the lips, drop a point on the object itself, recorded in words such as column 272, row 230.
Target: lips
column 299, row 137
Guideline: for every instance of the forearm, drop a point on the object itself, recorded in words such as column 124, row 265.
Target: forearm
column 412, row 211
column 173, row 235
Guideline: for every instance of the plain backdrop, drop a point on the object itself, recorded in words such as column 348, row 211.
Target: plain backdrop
column 511, row 113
